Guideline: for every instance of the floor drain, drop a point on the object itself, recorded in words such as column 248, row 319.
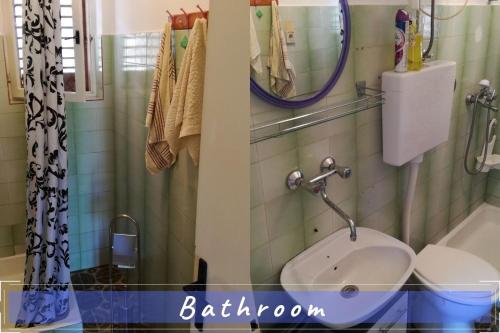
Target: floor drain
column 349, row 291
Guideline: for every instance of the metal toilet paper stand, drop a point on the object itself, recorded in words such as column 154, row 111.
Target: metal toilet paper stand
column 124, row 249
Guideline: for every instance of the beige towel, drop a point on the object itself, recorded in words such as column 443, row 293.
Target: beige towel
column 158, row 155
column 282, row 72
column 255, row 51
column 184, row 115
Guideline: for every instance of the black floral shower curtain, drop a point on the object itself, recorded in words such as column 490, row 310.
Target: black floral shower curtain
column 47, row 274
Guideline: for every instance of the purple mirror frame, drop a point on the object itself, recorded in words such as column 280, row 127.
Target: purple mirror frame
column 282, row 103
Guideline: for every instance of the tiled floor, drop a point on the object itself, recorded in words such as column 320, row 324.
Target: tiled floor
column 97, row 279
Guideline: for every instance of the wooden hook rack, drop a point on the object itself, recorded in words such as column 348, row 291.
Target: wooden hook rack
column 185, row 21
column 262, row 2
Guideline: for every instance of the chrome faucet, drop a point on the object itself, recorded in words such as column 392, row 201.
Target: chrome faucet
column 318, row 184
column 486, row 96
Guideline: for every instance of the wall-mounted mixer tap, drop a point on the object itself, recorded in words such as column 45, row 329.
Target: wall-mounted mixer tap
column 486, row 96
column 318, row 184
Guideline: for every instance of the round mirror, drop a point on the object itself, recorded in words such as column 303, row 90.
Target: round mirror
column 298, row 52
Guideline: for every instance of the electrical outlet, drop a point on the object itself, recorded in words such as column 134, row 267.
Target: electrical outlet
column 290, row 32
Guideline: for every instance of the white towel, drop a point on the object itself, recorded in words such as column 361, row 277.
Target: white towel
column 255, row 51
column 282, row 72
column 158, row 156
column 184, row 116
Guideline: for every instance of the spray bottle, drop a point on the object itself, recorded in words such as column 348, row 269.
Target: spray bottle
column 415, row 59
column 402, row 40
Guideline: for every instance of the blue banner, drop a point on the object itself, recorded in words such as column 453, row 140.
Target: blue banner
column 327, row 308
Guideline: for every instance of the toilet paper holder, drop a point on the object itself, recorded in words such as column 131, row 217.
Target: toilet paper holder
column 125, row 248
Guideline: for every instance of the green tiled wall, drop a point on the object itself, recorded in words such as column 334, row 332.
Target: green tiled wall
column 107, row 174
column 164, row 204
column 285, row 223
column 12, row 170
column 91, row 172
column 493, row 66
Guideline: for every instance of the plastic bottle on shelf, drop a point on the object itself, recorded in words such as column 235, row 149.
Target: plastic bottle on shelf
column 415, row 60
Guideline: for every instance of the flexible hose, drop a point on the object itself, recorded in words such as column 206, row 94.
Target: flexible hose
column 445, row 18
column 431, row 41
column 474, row 171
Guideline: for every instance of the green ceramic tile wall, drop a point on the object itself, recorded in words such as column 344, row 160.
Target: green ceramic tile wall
column 165, row 204
column 12, row 166
column 493, row 66
column 284, row 223
column 91, row 172
column 107, row 175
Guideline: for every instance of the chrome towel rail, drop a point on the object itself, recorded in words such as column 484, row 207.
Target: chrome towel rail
column 274, row 129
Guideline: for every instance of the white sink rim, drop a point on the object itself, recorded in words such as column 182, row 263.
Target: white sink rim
column 366, row 238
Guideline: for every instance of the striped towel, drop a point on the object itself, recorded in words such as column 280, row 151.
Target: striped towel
column 282, row 72
column 158, row 155
column 184, row 117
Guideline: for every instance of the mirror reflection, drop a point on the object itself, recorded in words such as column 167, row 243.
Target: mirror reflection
column 295, row 50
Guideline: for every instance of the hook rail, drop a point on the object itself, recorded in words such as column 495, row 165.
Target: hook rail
column 185, row 21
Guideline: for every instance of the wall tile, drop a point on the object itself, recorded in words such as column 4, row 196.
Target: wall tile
column 382, row 219
column 12, row 214
column 12, row 125
column 258, row 219
column 376, row 31
column 286, row 247
column 274, row 172
column 318, row 228
column 93, row 142
column 445, row 194
column 13, row 148
column 4, row 194
column 261, row 265
column 284, row 213
column 6, row 236
column 369, row 139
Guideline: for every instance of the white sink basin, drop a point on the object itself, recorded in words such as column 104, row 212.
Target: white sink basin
column 376, row 264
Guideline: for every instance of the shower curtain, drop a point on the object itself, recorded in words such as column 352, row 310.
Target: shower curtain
column 47, row 273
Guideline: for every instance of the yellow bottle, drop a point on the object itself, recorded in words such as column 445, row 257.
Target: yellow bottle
column 415, row 61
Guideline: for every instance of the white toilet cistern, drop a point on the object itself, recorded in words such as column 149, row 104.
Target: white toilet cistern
column 416, row 118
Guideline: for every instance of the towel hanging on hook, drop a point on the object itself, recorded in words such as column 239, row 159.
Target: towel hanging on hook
column 193, row 16
column 171, row 17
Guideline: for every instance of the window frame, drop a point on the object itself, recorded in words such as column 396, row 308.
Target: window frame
column 16, row 91
column 87, row 44
column 92, row 49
